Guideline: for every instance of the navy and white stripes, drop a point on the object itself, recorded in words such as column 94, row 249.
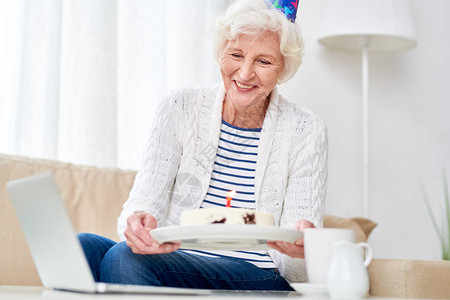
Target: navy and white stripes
column 234, row 169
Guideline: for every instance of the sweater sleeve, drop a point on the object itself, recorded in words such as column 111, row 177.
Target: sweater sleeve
column 306, row 189
column 155, row 177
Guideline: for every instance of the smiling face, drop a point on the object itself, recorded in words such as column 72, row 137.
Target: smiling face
column 250, row 67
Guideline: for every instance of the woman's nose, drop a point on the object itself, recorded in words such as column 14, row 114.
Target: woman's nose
column 246, row 70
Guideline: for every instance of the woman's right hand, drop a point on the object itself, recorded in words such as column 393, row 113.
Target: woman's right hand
column 138, row 235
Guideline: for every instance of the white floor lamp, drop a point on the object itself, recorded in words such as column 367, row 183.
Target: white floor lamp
column 363, row 26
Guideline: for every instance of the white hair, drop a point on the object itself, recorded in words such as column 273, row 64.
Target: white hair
column 254, row 16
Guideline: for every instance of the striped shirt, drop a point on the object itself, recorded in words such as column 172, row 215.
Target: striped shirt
column 234, row 169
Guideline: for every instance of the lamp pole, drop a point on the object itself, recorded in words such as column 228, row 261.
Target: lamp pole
column 365, row 114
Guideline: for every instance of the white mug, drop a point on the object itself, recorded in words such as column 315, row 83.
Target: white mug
column 318, row 250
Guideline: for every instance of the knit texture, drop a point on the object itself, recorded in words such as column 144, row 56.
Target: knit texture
column 291, row 168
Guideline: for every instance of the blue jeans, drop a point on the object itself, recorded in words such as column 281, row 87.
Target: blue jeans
column 115, row 263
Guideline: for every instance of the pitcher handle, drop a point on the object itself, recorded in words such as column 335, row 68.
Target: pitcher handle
column 368, row 252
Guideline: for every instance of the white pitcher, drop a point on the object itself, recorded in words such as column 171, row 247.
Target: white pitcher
column 347, row 276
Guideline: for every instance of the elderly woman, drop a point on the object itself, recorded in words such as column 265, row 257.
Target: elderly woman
column 241, row 135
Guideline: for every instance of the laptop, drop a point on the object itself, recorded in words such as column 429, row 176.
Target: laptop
column 54, row 245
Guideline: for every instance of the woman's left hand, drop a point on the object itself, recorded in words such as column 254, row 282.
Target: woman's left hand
column 296, row 249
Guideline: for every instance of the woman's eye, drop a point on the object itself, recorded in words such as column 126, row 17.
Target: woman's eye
column 236, row 55
column 264, row 62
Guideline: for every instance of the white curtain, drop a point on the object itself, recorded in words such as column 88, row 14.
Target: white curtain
column 80, row 79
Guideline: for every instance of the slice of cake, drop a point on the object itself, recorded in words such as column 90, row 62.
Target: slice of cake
column 226, row 215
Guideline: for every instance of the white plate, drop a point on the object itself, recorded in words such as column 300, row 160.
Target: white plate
column 310, row 289
column 224, row 237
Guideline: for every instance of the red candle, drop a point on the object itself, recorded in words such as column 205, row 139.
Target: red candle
column 230, row 195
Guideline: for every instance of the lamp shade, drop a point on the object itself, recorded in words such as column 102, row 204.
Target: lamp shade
column 383, row 25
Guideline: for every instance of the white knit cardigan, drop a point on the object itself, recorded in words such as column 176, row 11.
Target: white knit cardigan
column 291, row 168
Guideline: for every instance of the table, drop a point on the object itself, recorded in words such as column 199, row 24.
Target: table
column 32, row 293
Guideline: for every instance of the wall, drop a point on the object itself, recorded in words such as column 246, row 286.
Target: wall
column 409, row 127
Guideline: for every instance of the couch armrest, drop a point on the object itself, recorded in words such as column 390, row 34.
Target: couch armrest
column 410, row 278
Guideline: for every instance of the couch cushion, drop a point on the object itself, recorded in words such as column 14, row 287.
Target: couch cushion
column 406, row 278
column 93, row 197
column 362, row 226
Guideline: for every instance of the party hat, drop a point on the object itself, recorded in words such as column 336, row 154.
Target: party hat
column 288, row 7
